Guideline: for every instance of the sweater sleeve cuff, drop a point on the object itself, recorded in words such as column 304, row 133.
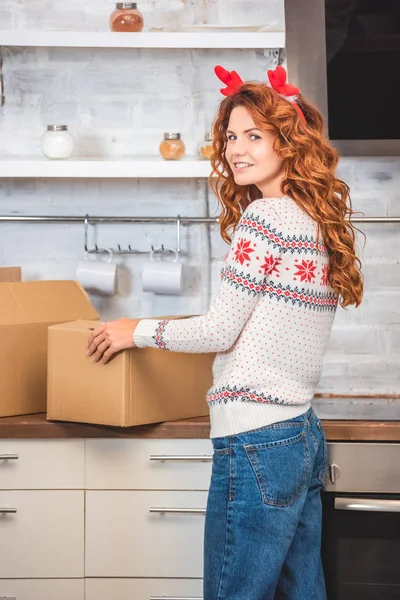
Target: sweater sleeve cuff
column 145, row 332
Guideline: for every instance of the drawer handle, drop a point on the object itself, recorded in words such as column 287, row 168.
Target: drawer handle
column 183, row 457
column 9, row 457
column 5, row 511
column 369, row 505
column 8, row 598
column 189, row 511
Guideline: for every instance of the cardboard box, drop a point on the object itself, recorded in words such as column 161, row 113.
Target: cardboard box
column 26, row 311
column 10, row 274
column 138, row 386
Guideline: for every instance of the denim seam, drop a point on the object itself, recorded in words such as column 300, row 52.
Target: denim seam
column 270, row 428
column 314, row 440
column 230, row 470
column 277, row 443
column 322, row 472
column 228, row 523
column 225, row 562
column 222, row 450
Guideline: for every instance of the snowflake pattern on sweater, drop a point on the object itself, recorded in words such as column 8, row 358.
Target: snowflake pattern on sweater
column 270, row 322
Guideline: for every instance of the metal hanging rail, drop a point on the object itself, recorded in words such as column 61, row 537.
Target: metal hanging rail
column 94, row 220
column 88, row 220
column 184, row 220
column 105, row 219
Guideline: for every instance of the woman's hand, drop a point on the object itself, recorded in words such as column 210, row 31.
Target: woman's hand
column 109, row 338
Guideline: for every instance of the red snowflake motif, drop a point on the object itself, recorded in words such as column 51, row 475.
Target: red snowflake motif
column 271, row 264
column 242, row 252
column 306, row 270
column 325, row 273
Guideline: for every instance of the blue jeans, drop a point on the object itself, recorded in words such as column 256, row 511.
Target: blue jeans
column 262, row 538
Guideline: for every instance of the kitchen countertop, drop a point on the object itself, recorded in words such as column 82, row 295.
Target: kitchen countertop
column 36, row 426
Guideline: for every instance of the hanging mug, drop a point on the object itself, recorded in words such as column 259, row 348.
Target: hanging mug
column 162, row 275
column 98, row 276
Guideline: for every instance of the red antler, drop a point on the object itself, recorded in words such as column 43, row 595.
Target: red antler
column 231, row 79
column 277, row 79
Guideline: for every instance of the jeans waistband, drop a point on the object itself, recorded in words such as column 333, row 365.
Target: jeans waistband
column 301, row 421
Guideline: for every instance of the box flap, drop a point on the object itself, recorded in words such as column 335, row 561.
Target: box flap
column 44, row 302
column 79, row 325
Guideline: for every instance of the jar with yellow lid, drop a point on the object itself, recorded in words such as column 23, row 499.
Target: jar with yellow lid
column 126, row 17
column 207, row 148
column 172, row 147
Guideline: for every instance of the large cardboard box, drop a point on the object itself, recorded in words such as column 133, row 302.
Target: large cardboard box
column 26, row 311
column 138, row 386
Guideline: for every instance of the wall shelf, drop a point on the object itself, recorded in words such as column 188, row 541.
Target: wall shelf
column 142, row 167
column 108, row 39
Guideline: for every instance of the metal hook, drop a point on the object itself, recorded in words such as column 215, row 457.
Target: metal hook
column 86, row 233
column 178, row 234
column 95, row 249
column 178, row 239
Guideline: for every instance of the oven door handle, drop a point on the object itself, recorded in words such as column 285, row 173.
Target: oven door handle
column 367, row 504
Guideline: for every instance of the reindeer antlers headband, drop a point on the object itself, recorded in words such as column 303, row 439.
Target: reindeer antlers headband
column 277, row 80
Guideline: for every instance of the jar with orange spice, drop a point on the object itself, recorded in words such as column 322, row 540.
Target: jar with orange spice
column 126, row 17
column 172, row 147
column 206, row 149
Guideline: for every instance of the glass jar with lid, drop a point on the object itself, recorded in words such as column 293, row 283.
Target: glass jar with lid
column 126, row 17
column 207, row 148
column 57, row 142
column 172, row 147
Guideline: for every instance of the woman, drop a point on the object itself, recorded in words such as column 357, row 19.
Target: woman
column 291, row 260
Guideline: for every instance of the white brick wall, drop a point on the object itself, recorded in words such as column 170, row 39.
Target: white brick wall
column 119, row 103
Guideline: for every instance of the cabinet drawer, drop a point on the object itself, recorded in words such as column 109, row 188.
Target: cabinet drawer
column 42, row 464
column 42, row 534
column 144, row 589
column 124, row 538
column 42, row 589
column 149, row 464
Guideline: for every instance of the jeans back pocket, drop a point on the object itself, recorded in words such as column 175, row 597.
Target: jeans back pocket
column 281, row 468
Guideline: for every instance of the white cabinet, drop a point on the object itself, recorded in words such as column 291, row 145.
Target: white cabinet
column 124, row 538
column 44, row 537
column 126, row 514
column 144, row 589
column 42, row 464
column 147, row 464
column 42, row 589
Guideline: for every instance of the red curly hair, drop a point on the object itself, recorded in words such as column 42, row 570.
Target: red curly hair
column 309, row 179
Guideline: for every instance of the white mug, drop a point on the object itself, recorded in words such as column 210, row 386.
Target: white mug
column 96, row 275
column 162, row 276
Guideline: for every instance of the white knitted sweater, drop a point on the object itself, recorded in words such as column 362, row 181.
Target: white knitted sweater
column 269, row 323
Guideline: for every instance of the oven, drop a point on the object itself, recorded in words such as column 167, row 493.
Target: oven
column 361, row 521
